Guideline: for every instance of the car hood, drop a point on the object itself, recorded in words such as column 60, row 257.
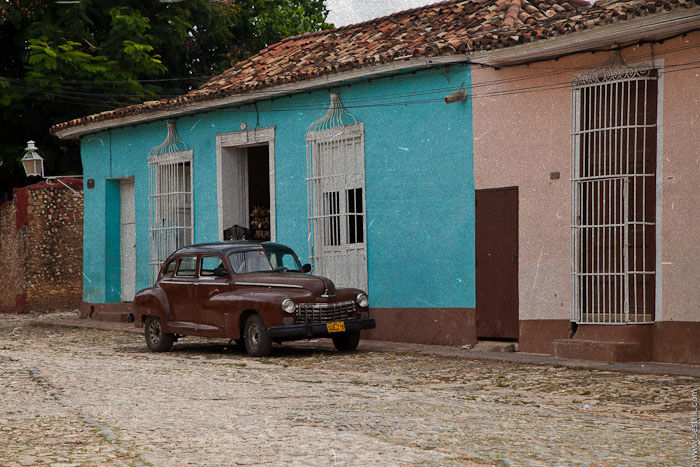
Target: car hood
column 293, row 280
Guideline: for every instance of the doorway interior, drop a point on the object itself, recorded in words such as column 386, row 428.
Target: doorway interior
column 245, row 193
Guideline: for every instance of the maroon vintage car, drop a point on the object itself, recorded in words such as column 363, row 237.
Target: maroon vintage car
column 253, row 293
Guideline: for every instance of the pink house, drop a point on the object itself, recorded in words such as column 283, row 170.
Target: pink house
column 586, row 169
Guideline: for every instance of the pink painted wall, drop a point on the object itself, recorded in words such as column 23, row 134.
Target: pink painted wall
column 522, row 127
column 680, row 179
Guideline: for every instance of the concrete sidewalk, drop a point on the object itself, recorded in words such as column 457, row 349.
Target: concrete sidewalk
column 70, row 320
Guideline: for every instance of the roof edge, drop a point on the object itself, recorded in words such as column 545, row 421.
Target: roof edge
column 676, row 21
column 679, row 19
column 398, row 65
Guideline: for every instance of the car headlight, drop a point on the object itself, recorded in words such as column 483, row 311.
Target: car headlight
column 288, row 305
column 362, row 300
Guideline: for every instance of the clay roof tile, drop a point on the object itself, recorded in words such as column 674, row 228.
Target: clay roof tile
column 449, row 27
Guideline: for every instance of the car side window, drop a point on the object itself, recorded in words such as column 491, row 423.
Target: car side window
column 170, row 268
column 187, row 266
column 209, row 265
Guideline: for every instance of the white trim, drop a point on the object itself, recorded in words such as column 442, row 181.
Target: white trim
column 127, row 231
column 173, row 157
column 247, row 137
column 651, row 26
column 219, row 197
column 243, row 139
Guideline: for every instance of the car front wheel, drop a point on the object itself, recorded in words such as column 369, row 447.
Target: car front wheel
column 156, row 338
column 347, row 341
column 256, row 337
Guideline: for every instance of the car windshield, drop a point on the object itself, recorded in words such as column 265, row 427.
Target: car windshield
column 249, row 261
column 283, row 260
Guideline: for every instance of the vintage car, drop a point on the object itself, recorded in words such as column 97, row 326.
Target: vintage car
column 252, row 293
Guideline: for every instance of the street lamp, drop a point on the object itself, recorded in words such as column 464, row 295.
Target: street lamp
column 33, row 165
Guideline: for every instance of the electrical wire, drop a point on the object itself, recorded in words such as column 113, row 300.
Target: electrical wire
column 553, row 70
column 79, row 96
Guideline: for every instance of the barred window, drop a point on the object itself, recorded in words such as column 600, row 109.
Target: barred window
column 336, row 189
column 614, row 139
column 170, row 206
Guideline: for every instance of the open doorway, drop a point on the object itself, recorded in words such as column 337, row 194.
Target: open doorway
column 246, row 190
column 246, row 184
column 245, row 193
column 259, row 192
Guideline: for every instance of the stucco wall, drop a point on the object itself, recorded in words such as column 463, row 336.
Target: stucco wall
column 519, row 139
column 418, row 163
column 522, row 127
column 41, row 248
column 680, row 229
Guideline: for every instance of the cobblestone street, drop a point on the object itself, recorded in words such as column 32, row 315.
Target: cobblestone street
column 91, row 397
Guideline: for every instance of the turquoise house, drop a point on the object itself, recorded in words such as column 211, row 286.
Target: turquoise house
column 351, row 146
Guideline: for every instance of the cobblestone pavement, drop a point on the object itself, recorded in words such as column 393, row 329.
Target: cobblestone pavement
column 91, row 397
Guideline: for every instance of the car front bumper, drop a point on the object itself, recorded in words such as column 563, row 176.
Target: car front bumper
column 303, row 331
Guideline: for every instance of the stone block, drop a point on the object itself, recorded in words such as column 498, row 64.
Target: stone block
column 602, row 351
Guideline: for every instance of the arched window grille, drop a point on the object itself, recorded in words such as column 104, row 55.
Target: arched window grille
column 336, row 197
column 171, row 217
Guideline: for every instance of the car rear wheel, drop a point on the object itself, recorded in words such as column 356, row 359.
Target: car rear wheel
column 347, row 341
column 156, row 338
column 256, row 337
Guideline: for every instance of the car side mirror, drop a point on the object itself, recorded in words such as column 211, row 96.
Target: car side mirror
column 220, row 271
column 306, row 268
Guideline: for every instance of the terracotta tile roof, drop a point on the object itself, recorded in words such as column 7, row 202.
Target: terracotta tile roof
column 450, row 27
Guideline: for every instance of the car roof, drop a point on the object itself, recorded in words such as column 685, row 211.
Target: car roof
column 230, row 246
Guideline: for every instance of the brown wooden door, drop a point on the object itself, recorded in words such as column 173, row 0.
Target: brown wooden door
column 497, row 263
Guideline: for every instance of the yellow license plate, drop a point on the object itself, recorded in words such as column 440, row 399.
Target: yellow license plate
column 338, row 326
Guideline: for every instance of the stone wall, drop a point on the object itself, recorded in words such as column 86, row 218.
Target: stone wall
column 41, row 248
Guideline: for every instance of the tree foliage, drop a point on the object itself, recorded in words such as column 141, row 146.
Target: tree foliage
column 62, row 60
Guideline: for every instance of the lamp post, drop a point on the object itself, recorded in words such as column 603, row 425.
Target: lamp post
column 33, row 165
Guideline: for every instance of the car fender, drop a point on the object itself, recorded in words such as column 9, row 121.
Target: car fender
column 267, row 302
column 152, row 302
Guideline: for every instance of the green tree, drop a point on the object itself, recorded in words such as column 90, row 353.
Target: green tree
column 61, row 60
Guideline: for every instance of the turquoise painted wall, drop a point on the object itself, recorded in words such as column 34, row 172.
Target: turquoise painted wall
column 419, row 182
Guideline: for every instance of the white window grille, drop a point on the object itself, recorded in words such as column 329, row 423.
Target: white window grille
column 614, row 195
column 336, row 198
column 170, row 200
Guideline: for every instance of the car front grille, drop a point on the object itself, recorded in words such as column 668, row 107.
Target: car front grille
column 324, row 312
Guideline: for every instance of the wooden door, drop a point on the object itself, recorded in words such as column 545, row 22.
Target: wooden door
column 497, row 263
